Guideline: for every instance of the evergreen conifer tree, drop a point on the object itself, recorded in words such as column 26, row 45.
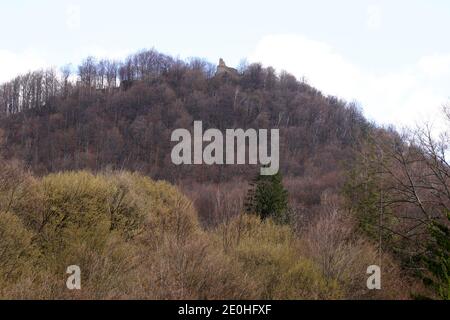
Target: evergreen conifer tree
column 437, row 260
column 268, row 198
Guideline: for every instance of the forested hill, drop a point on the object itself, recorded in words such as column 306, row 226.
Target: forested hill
column 120, row 115
column 350, row 194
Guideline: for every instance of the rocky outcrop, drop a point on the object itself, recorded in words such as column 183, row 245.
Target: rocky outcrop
column 223, row 69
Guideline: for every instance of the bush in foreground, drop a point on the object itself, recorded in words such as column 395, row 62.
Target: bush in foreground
column 137, row 238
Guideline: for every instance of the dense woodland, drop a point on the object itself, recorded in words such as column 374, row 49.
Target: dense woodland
column 357, row 194
column 121, row 115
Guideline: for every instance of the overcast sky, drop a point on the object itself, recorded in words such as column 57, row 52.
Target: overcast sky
column 392, row 57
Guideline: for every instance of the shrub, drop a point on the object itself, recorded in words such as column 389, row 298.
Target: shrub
column 162, row 208
column 216, row 203
column 108, row 224
column 16, row 249
column 194, row 269
column 65, row 210
column 136, row 238
column 270, row 254
column 13, row 184
column 343, row 255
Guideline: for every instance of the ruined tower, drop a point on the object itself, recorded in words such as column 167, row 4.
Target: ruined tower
column 223, row 69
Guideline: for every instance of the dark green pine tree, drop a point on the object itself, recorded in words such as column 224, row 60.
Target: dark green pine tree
column 437, row 260
column 268, row 198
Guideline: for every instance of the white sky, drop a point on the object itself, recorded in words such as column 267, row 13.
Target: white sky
column 391, row 56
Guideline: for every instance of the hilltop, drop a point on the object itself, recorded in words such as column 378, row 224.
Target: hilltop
column 120, row 115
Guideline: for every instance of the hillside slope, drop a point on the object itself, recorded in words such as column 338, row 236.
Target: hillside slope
column 121, row 116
